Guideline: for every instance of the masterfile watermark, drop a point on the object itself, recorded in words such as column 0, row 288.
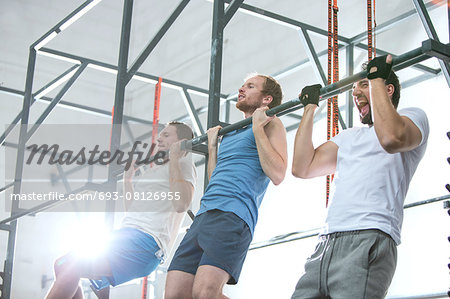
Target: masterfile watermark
column 76, row 164
column 95, row 156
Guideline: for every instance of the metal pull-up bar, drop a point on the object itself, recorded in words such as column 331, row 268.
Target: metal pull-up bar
column 429, row 48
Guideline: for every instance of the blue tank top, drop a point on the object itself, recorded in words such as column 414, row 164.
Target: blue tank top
column 238, row 183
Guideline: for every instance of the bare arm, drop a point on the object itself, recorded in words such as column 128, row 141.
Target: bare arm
column 270, row 137
column 396, row 133
column 212, row 149
column 307, row 161
column 178, row 184
column 128, row 185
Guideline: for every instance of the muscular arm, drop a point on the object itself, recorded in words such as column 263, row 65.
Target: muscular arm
column 396, row 133
column 307, row 161
column 270, row 137
column 178, row 184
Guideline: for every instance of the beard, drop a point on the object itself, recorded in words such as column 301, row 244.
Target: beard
column 245, row 107
column 367, row 119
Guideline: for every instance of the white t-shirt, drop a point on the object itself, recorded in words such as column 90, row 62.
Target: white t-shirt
column 151, row 213
column 370, row 184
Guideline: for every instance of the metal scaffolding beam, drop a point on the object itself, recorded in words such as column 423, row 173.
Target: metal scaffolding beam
column 215, row 73
column 152, row 44
column 395, row 21
column 96, row 111
column 295, row 236
column 312, row 55
column 39, row 93
column 55, row 101
column 99, row 65
column 431, row 32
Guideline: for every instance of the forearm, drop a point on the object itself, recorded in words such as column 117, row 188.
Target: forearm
column 128, row 189
column 212, row 159
column 303, row 145
column 273, row 161
column 181, row 190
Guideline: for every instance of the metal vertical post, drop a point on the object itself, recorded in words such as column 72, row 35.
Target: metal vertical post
column 7, row 278
column 216, row 63
column 350, row 70
column 227, row 110
column 215, row 76
column 121, row 82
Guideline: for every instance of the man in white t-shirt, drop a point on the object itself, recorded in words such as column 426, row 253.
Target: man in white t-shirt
column 155, row 203
column 357, row 255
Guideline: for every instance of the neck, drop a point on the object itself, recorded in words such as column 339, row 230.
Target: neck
column 248, row 114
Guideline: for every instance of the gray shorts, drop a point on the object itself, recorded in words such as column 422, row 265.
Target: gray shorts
column 355, row 264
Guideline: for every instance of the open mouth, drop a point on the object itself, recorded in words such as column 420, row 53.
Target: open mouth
column 363, row 106
column 364, row 110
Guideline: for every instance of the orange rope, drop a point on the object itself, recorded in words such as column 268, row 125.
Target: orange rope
column 335, row 70
column 369, row 29
column 329, row 101
column 154, row 137
column 374, row 34
column 333, row 76
column 156, row 110
column 144, row 287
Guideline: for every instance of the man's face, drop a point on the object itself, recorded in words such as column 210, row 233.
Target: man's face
column 250, row 95
column 167, row 137
column 361, row 97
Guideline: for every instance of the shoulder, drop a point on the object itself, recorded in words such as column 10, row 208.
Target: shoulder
column 413, row 112
column 276, row 126
column 345, row 134
column 419, row 118
column 187, row 160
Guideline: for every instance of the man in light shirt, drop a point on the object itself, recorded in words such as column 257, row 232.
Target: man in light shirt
column 155, row 203
column 356, row 256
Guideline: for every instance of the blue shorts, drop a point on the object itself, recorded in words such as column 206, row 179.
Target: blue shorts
column 217, row 238
column 131, row 254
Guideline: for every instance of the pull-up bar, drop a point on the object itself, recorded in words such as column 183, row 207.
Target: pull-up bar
column 430, row 48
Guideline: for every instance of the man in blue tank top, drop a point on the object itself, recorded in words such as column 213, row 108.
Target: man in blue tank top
column 214, row 249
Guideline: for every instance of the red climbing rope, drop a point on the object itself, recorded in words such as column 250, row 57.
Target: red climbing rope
column 154, row 137
column 369, row 29
column 333, row 76
column 156, row 110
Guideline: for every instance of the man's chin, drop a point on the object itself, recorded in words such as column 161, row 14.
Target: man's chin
column 366, row 120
